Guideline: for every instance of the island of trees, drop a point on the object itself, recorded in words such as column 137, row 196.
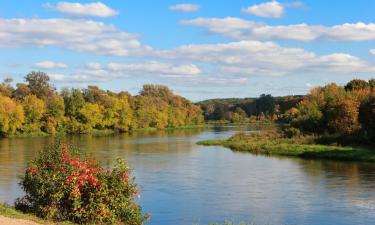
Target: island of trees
column 35, row 107
column 333, row 122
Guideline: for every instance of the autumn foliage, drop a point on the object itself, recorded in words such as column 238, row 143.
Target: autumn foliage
column 332, row 109
column 35, row 107
column 61, row 186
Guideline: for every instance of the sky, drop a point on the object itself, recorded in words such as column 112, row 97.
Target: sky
column 200, row 49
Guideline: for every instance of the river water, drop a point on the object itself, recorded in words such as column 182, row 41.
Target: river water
column 182, row 183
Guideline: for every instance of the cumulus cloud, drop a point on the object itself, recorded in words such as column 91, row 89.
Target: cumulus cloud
column 97, row 9
column 50, row 65
column 372, row 51
column 78, row 35
column 156, row 68
column 272, row 9
column 248, row 30
column 95, row 72
column 247, row 58
column 186, row 7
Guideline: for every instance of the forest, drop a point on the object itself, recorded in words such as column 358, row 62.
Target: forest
column 35, row 107
column 344, row 114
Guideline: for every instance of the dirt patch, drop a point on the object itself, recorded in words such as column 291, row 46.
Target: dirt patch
column 12, row 221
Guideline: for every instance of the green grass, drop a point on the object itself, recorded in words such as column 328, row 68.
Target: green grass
column 273, row 143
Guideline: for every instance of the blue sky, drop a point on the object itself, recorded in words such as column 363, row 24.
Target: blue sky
column 201, row 49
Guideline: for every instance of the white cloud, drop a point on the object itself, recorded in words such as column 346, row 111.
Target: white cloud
column 93, row 66
column 186, row 7
column 272, row 9
column 156, row 68
column 78, row 35
column 294, row 4
column 50, row 65
column 372, row 51
column 218, row 25
column 95, row 72
column 97, row 9
column 309, row 86
column 248, row 30
column 247, row 58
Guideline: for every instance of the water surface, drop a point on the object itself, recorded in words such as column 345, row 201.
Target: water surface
column 183, row 183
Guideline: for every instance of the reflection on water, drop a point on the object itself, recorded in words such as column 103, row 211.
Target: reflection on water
column 182, row 183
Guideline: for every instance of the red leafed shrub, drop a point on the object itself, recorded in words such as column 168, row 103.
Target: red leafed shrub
column 61, row 186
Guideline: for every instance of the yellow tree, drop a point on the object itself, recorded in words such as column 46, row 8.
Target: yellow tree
column 124, row 115
column 11, row 115
column 91, row 115
column 34, row 111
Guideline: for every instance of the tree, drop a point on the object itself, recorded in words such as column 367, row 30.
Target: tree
column 159, row 91
column 371, row 83
column 11, row 115
column 74, row 102
column 356, row 84
column 309, row 117
column 34, row 108
column 343, row 117
column 38, row 83
column 21, row 91
column 125, row 120
column 6, row 88
column 54, row 116
column 367, row 115
column 265, row 104
column 91, row 115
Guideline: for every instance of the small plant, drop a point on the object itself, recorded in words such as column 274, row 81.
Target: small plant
column 61, row 186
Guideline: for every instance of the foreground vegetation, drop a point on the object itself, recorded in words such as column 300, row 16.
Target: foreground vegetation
column 10, row 212
column 60, row 186
column 36, row 108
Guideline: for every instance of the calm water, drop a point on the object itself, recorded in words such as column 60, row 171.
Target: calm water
column 182, row 183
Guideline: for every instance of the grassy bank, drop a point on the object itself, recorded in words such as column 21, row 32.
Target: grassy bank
column 274, row 143
column 10, row 212
column 105, row 132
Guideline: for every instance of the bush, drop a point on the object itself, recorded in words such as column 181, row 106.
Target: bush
column 291, row 132
column 61, row 186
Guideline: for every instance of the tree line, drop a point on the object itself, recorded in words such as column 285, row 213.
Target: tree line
column 36, row 107
column 265, row 107
column 342, row 111
column 347, row 111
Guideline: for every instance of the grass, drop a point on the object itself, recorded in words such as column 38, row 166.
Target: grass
column 274, row 143
column 10, row 212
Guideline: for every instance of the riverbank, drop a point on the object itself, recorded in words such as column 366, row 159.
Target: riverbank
column 274, row 143
column 106, row 132
column 10, row 216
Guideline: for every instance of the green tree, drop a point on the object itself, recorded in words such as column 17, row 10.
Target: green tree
column 356, row 84
column 266, row 104
column 74, row 102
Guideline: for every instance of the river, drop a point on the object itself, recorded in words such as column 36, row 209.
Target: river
column 182, row 183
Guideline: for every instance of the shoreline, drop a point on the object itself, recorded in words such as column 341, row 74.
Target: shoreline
column 104, row 132
column 301, row 148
